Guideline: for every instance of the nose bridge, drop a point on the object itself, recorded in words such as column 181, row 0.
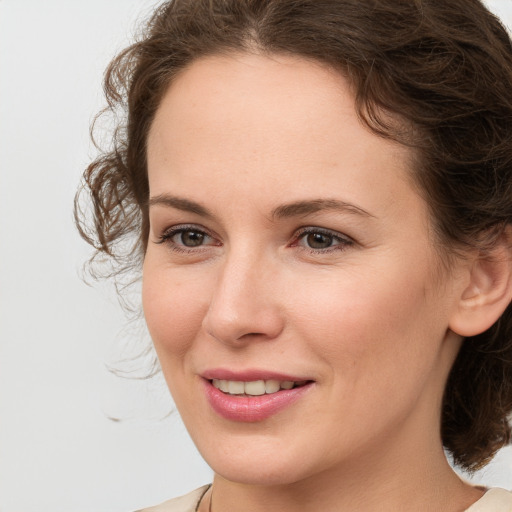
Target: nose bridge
column 244, row 305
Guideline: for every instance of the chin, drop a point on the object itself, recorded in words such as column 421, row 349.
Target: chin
column 257, row 465
column 264, row 474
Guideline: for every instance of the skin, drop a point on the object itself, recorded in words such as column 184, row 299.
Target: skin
column 367, row 317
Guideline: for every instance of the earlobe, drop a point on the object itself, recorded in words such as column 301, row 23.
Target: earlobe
column 487, row 291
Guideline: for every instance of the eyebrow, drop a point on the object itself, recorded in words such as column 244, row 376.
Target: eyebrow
column 180, row 203
column 295, row 209
column 302, row 208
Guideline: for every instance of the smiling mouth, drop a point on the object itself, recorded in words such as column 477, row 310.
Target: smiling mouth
column 255, row 387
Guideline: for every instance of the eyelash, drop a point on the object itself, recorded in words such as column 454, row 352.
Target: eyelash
column 343, row 241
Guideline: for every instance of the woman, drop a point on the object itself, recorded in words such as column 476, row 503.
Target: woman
column 320, row 193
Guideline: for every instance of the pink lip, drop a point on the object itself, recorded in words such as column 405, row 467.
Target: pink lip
column 255, row 408
column 250, row 375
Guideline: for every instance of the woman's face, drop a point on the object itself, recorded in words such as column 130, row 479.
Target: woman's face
column 288, row 245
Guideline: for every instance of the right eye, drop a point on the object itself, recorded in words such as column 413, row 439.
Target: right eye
column 189, row 238
column 186, row 238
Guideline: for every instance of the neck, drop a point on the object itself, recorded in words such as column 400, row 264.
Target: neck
column 415, row 486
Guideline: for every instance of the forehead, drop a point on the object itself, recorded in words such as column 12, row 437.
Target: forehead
column 235, row 96
column 273, row 121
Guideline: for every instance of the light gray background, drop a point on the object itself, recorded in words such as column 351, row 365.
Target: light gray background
column 59, row 451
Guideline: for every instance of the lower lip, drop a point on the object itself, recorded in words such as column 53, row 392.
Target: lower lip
column 251, row 409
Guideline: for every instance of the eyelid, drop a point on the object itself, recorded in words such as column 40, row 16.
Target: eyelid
column 318, row 229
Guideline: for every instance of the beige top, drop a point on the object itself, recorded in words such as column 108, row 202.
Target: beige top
column 494, row 500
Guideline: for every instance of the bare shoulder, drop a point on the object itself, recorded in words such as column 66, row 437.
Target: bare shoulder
column 494, row 500
column 187, row 503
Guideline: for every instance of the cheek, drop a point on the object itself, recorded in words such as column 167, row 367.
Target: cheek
column 374, row 324
column 174, row 309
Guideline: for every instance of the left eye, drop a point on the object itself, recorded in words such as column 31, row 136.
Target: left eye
column 319, row 240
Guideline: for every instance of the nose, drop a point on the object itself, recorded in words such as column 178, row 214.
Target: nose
column 245, row 302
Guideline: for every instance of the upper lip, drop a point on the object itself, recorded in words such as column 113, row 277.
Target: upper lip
column 250, row 375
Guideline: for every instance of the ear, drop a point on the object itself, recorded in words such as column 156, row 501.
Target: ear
column 487, row 290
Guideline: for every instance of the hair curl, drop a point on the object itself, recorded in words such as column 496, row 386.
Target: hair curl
column 445, row 68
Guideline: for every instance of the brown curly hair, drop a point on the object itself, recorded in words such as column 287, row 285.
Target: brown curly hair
column 443, row 68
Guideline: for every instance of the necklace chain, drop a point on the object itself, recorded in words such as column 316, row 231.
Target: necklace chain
column 200, row 503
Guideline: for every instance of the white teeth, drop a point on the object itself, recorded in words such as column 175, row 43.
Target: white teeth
column 223, row 386
column 236, row 387
column 271, row 386
column 253, row 388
